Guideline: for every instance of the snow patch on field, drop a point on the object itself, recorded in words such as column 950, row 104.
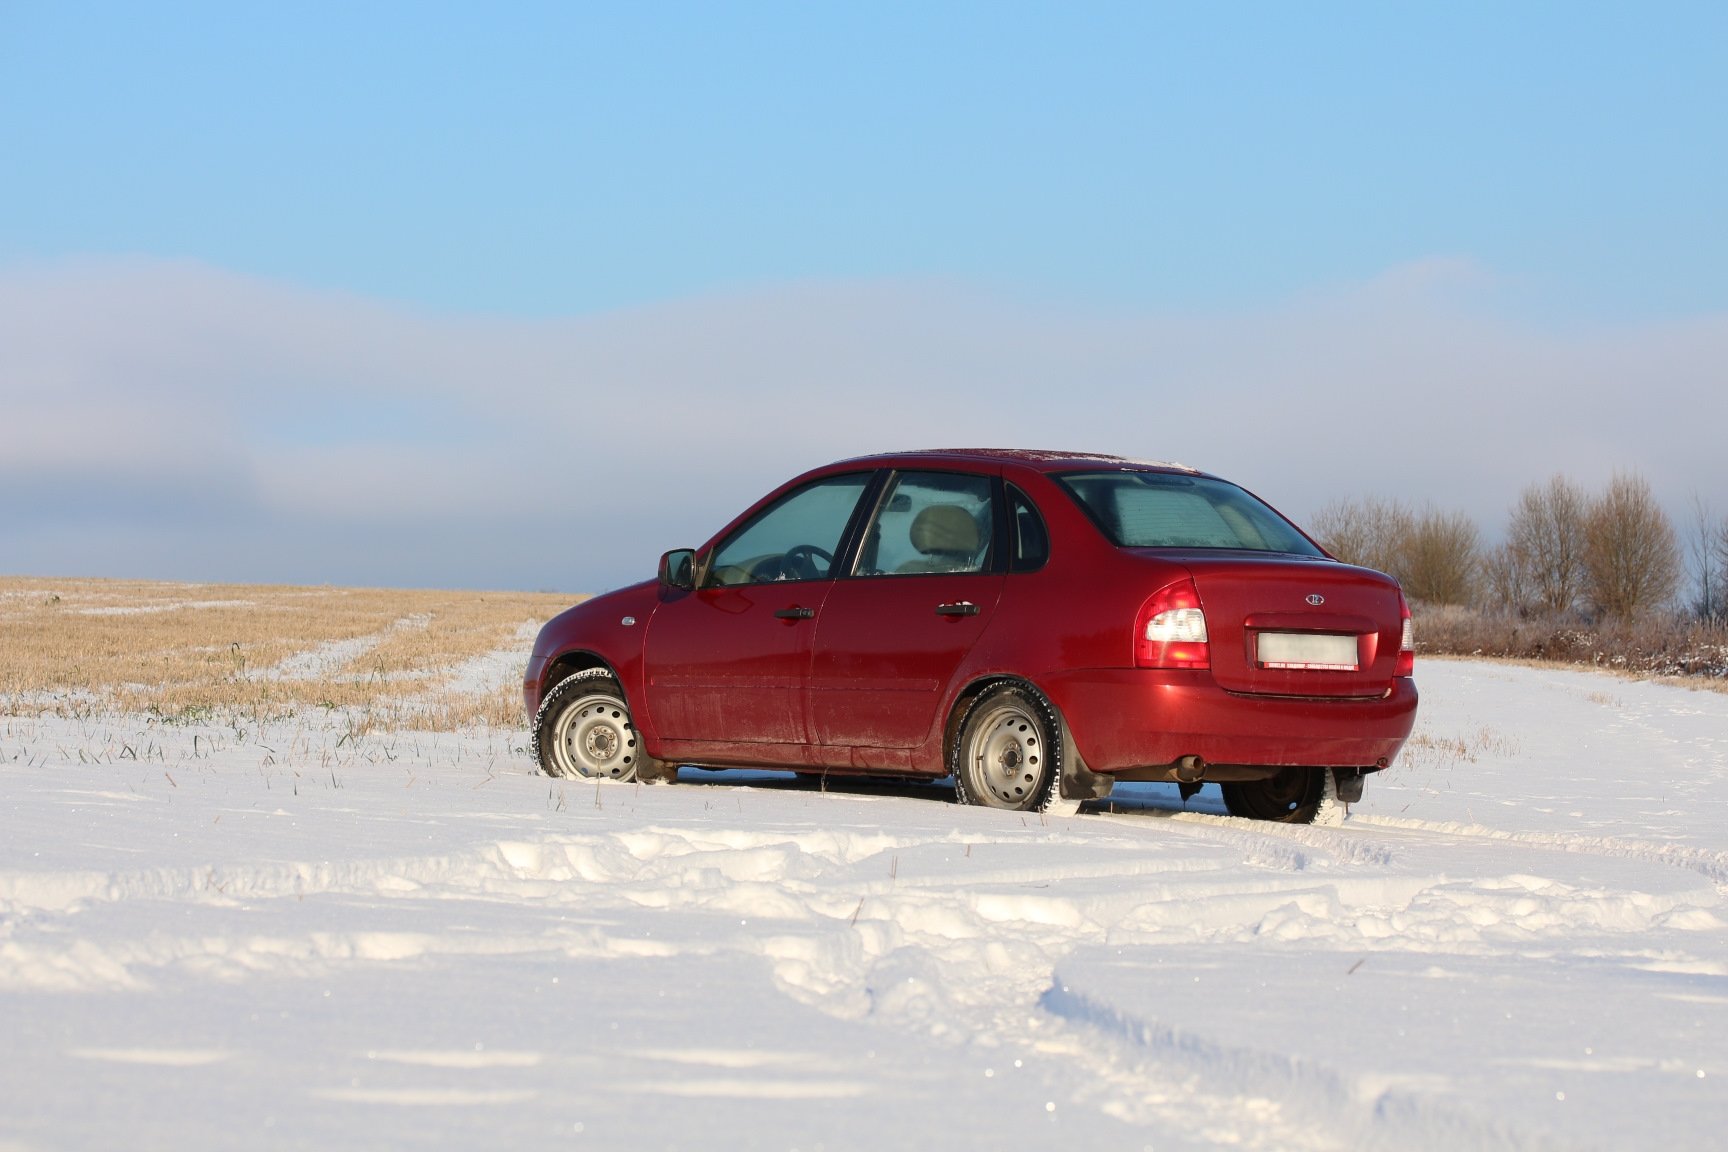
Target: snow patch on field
column 493, row 670
column 325, row 661
column 152, row 609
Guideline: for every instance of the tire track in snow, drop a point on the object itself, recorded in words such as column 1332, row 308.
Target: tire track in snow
column 932, row 958
column 1320, row 1104
column 1707, row 862
column 888, row 928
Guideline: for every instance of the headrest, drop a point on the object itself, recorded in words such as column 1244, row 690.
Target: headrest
column 945, row 528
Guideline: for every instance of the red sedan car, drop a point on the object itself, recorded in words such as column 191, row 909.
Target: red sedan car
column 1032, row 623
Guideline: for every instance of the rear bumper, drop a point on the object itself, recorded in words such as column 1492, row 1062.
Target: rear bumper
column 1128, row 718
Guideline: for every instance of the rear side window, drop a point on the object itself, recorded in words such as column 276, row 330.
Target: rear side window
column 1167, row 510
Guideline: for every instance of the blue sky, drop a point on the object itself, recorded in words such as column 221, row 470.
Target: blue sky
column 358, row 183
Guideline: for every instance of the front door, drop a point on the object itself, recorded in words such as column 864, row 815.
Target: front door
column 728, row 664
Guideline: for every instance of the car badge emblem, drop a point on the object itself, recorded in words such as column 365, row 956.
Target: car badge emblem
column 1316, row 599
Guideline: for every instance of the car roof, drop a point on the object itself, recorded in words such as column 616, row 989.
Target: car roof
column 1039, row 460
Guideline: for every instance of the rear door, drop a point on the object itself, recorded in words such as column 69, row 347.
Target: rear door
column 892, row 634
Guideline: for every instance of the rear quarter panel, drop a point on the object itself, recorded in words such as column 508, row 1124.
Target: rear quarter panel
column 1078, row 610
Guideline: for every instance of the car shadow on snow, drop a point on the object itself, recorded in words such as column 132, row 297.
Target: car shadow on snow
column 1126, row 799
column 1149, row 799
column 774, row 781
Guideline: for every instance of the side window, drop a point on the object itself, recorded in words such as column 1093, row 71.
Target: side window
column 1031, row 541
column 794, row 538
column 930, row 522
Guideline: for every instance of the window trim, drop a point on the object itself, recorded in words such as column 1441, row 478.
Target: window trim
column 1016, row 493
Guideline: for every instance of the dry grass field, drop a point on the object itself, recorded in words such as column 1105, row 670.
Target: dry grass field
column 193, row 652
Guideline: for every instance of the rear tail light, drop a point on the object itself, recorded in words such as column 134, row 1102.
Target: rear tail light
column 1406, row 641
column 1170, row 631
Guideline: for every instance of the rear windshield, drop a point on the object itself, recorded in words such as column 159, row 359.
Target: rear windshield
column 1167, row 510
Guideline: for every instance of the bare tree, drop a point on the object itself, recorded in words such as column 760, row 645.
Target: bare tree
column 1722, row 554
column 1435, row 555
column 1631, row 559
column 1506, row 582
column 1441, row 557
column 1373, row 533
column 1705, row 543
column 1546, row 533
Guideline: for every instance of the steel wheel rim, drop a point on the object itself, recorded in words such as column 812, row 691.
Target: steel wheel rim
column 1007, row 756
column 594, row 738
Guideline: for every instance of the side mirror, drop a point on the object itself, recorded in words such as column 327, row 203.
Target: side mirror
column 678, row 569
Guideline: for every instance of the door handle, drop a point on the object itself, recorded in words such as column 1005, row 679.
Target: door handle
column 795, row 613
column 961, row 608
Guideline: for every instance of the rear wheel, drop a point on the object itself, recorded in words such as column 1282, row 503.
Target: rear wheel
column 1007, row 751
column 584, row 731
column 1291, row 796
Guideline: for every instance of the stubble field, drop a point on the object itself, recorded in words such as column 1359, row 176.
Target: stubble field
column 199, row 652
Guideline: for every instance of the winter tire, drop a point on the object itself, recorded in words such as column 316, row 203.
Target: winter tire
column 1007, row 751
column 583, row 731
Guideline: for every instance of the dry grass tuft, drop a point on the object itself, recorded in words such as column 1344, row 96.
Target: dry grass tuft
column 192, row 652
column 1484, row 741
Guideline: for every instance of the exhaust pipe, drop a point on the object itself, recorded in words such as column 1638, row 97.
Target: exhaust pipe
column 1190, row 769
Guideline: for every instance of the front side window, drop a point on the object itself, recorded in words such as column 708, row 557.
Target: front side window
column 1169, row 510
column 930, row 522
column 794, row 538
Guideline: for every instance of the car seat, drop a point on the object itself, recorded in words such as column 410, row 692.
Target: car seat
column 947, row 539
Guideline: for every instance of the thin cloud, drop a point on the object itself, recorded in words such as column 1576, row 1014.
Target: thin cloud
column 270, row 432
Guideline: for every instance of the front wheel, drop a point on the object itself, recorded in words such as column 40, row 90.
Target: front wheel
column 1291, row 796
column 583, row 730
column 1007, row 751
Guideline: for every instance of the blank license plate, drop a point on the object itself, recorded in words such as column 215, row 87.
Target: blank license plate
column 1311, row 651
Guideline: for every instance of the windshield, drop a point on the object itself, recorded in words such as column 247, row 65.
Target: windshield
column 1169, row 510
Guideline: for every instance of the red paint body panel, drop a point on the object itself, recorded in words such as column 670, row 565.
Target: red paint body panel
column 884, row 659
column 869, row 680
column 719, row 660
column 1243, row 595
column 1131, row 718
column 590, row 633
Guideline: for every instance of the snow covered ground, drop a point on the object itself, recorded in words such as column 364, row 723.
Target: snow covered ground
column 218, row 938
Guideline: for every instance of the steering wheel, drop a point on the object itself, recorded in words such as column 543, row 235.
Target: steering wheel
column 799, row 563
